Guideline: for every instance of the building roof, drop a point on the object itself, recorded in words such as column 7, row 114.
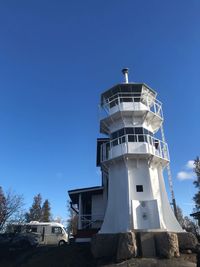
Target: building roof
column 86, row 192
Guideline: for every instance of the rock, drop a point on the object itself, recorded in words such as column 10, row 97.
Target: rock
column 119, row 247
column 127, row 247
column 104, row 245
column 167, row 245
column 186, row 251
column 187, row 241
column 198, row 258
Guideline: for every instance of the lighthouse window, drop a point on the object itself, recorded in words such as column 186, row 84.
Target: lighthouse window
column 139, row 188
column 122, row 139
column 135, row 134
column 115, row 142
column 113, row 103
column 141, row 138
column 114, row 135
column 138, row 130
column 121, row 132
column 132, row 138
column 129, row 130
column 126, row 99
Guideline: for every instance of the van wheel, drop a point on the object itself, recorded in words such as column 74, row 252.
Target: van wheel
column 61, row 243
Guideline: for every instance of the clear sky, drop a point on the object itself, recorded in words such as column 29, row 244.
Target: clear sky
column 56, row 57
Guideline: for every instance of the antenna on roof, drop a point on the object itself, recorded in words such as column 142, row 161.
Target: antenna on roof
column 125, row 73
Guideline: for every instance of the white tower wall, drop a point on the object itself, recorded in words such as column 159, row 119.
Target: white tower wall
column 128, row 209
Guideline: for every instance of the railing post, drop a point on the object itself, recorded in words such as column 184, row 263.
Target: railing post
column 155, row 107
column 80, row 211
column 127, row 146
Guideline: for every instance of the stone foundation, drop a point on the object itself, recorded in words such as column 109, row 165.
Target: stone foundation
column 124, row 246
column 118, row 247
column 167, row 245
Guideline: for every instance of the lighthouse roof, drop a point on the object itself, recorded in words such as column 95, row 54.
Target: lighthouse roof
column 126, row 88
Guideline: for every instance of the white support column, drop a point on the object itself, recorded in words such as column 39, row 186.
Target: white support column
column 80, row 211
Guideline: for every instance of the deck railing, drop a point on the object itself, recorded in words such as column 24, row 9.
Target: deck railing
column 153, row 146
column 88, row 221
column 118, row 99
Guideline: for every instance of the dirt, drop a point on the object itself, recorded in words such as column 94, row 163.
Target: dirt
column 80, row 256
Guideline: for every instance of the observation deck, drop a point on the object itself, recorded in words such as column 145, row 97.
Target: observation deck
column 138, row 145
column 128, row 100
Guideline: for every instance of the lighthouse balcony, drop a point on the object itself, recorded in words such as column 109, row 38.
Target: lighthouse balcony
column 122, row 106
column 132, row 101
column 134, row 145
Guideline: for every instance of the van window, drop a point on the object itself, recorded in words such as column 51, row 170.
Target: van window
column 34, row 229
column 56, row 230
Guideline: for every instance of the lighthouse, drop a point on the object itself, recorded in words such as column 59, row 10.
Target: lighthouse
column 132, row 159
column 132, row 155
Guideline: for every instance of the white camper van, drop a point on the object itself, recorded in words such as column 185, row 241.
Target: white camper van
column 47, row 233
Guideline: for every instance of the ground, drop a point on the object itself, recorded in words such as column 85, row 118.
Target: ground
column 80, row 256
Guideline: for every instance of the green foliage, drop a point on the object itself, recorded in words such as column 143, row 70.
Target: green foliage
column 196, row 197
column 46, row 211
column 35, row 212
column 39, row 212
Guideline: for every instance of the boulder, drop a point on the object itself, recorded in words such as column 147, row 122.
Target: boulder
column 118, row 247
column 127, row 247
column 187, row 241
column 167, row 245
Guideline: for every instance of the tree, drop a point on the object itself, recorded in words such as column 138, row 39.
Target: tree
column 2, row 205
column 39, row 212
column 35, row 212
column 46, row 211
column 72, row 222
column 180, row 217
column 196, row 197
column 186, row 223
column 10, row 207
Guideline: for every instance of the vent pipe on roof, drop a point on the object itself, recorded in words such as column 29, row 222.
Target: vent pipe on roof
column 125, row 73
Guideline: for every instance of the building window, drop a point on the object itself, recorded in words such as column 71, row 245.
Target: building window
column 139, row 188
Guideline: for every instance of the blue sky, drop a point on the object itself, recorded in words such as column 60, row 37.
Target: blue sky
column 56, row 57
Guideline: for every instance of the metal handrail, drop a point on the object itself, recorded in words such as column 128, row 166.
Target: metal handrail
column 152, row 104
column 136, row 94
column 88, row 222
column 160, row 148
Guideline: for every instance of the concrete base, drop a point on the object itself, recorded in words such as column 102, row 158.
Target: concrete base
column 147, row 244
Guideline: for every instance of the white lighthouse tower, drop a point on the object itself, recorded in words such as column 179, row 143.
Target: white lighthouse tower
column 132, row 161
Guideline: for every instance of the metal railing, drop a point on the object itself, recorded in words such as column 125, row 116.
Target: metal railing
column 154, row 146
column 148, row 101
column 88, row 221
